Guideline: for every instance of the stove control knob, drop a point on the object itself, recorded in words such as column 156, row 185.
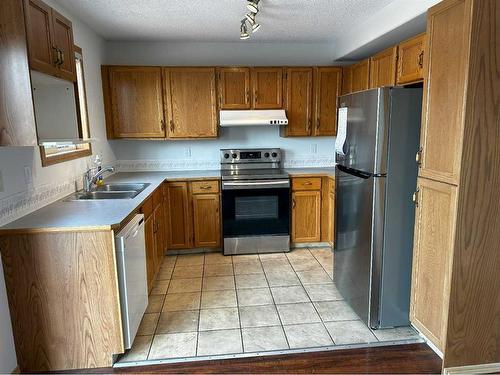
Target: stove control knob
column 226, row 156
column 266, row 155
column 274, row 154
column 234, row 156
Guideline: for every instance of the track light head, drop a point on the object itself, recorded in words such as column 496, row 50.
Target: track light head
column 253, row 6
column 244, row 30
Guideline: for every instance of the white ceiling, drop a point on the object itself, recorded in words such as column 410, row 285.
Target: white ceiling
column 219, row 20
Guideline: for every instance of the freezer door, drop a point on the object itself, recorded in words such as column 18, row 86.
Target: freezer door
column 353, row 240
column 367, row 125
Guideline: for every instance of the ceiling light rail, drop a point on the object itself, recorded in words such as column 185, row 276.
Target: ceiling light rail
column 250, row 20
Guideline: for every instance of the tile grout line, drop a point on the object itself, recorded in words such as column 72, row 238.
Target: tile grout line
column 312, row 303
column 274, row 301
column 238, row 307
column 199, row 310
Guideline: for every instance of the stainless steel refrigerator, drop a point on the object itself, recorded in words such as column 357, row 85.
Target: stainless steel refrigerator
column 376, row 175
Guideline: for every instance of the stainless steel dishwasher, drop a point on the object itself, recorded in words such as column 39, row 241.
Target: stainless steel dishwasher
column 132, row 276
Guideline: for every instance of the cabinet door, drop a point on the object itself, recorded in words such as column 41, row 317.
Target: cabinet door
column 444, row 89
column 306, row 216
column 361, row 76
column 149, row 234
column 179, row 216
column 411, row 60
column 432, row 258
column 159, row 236
column 63, row 40
column 298, row 101
column 41, row 50
column 234, row 88
column 192, row 104
column 327, row 209
column 383, row 68
column 136, row 102
column 166, row 216
column 327, row 83
column 346, row 80
column 267, row 86
column 206, row 220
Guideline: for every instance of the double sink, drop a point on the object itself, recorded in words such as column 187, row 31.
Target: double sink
column 111, row 191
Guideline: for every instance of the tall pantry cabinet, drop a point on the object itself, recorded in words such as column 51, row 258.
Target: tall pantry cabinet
column 455, row 300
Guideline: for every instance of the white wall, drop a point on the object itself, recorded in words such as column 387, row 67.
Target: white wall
column 221, row 54
column 23, row 194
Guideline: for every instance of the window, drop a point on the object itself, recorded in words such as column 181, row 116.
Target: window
column 58, row 152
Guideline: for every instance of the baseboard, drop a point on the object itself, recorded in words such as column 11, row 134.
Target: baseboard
column 487, row 368
column 310, row 245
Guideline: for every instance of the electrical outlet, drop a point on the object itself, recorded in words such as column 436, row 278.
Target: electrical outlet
column 28, row 176
column 1, row 183
column 314, row 148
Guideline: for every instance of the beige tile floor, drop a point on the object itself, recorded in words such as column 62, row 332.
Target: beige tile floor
column 210, row 304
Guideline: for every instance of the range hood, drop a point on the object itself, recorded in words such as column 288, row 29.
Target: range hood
column 253, row 118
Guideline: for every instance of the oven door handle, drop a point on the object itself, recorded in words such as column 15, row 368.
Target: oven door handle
column 258, row 184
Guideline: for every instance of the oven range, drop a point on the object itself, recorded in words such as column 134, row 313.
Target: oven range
column 255, row 201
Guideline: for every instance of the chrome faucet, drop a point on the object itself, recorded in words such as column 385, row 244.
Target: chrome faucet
column 90, row 178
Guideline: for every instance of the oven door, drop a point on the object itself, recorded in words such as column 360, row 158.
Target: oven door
column 256, row 208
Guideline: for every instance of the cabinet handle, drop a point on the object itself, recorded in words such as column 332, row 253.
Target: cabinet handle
column 309, row 126
column 421, row 59
column 171, row 125
column 162, row 124
column 256, row 94
column 415, row 197
column 307, row 183
column 418, row 157
column 248, row 96
column 205, row 187
column 317, row 123
column 293, row 203
column 56, row 51
column 61, row 52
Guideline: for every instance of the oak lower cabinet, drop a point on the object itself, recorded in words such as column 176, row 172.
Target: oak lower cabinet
column 191, row 102
column 432, row 255
column 383, row 68
column 194, row 216
column 149, row 238
column 306, row 209
column 206, row 220
column 327, row 210
column 179, row 216
column 411, row 60
column 455, row 281
column 134, row 101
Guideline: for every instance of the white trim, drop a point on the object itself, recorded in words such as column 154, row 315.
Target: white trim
column 486, row 368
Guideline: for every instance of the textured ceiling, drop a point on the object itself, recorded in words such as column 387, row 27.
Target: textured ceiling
column 219, row 20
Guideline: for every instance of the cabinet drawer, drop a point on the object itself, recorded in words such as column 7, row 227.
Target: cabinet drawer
column 157, row 197
column 306, row 183
column 147, row 207
column 201, row 187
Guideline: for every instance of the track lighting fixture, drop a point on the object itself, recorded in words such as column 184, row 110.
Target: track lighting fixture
column 250, row 18
column 253, row 6
column 243, row 30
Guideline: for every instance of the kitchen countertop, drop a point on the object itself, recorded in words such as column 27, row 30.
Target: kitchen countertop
column 109, row 214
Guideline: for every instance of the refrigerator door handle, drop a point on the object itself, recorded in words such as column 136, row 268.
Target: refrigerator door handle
column 354, row 172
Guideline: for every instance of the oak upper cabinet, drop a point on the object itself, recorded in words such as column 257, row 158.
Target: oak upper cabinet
column 383, row 68
column 298, row 101
column 191, row 102
column 360, row 76
column 432, row 258
column 267, row 87
column 306, row 209
column 136, row 102
column 444, row 93
column 50, row 40
column 179, row 216
column 234, row 88
column 411, row 60
column 206, row 219
column 346, row 80
column 327, row 85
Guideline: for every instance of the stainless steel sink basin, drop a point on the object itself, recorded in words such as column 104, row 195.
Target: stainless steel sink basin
column 111, row 191
column 123, row 187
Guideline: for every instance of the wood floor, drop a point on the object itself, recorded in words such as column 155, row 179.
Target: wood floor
column 414, row 358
